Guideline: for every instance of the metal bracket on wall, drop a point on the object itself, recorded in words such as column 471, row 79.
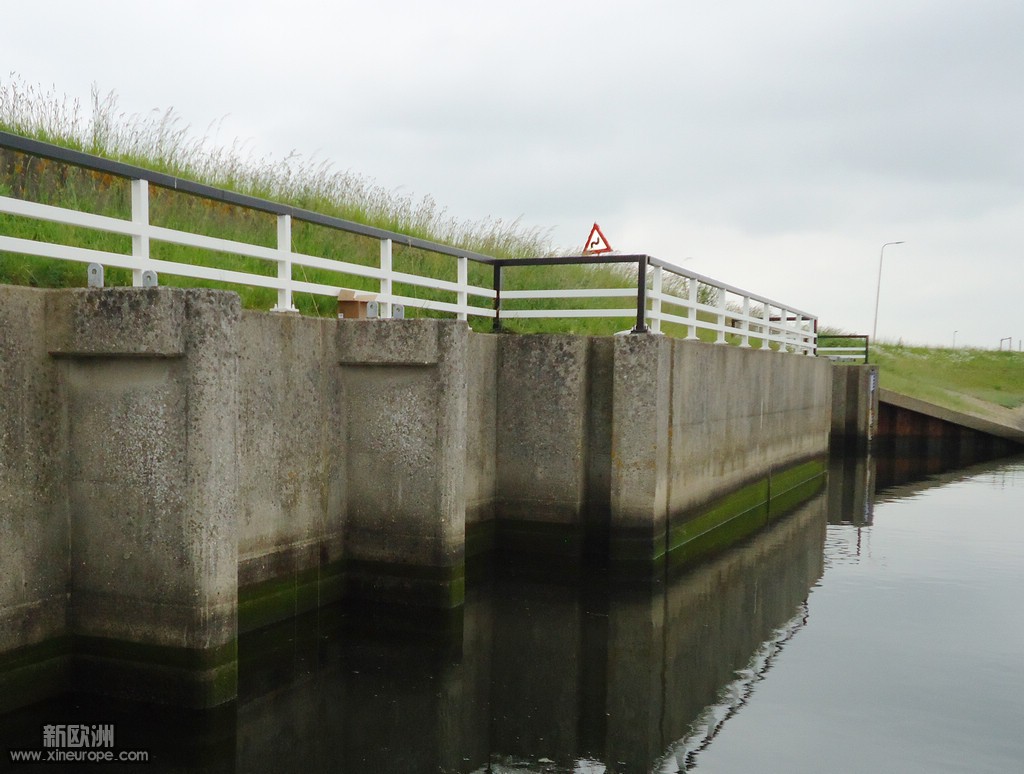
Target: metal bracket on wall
column 149, row 279
column 95, row 275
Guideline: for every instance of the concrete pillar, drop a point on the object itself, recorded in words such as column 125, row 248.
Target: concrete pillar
column 854, row 407
column 640, row 451
column 403, row 393
column 33, row 517
column 291, row 455
column 149, row 383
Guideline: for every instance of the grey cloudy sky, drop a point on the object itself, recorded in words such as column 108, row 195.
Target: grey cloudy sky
column 778, row 145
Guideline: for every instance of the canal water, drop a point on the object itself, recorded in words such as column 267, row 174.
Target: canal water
column 878, row 627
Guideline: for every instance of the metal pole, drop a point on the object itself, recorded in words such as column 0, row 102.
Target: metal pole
column 496, row 327
column 641, row 295
column 878, row 290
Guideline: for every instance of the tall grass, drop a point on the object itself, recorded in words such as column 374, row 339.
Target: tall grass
column 160, row 140
column 962, row 379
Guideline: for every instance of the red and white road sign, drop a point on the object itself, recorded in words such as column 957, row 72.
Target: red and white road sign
column 596, row 243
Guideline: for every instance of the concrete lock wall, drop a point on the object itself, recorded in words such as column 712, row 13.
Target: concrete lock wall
column 855, row 410
column 174, row 471
column 404, row 387
column 628, row 446
column 34, row 530
column 291, row 441
column 125, row 527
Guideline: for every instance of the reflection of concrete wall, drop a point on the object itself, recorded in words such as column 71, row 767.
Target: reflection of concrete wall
column 690, row 641
column 851, row 489
column 540, row 669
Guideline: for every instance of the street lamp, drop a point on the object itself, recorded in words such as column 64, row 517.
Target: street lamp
column 878, row 290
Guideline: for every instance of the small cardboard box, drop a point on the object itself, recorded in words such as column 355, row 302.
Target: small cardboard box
column 352, row 304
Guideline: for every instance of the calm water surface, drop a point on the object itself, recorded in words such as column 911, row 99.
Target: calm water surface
column 912, row 659
column 875, row 629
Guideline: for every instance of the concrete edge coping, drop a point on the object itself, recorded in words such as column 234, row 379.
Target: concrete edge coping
column 971, row 421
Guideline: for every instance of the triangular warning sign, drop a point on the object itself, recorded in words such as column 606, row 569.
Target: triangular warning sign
column 596, row 243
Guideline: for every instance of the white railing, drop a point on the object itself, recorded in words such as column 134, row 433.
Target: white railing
column 658, row 294
column 728, row 311
column 844, row 351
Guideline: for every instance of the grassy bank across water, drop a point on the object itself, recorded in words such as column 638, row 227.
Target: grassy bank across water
column 987, row 383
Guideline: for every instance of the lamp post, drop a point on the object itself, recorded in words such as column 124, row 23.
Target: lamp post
column 878, row 290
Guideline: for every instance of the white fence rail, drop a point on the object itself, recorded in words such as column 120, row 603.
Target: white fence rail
column 852, row 348
column 659, row 294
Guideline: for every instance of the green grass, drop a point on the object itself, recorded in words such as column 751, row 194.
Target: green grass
column 969, row 380
column 160, row 142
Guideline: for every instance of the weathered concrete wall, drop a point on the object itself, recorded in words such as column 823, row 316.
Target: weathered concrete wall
column 404, row 386
column 118, row 489
column 854, row 407
column 542, row 418
column 640, row 447
column 481, row 441
column 34, row 531
column 148, row 382
column 693, row 422
column 609, row 446
column 173, row 469
column 291, row 447
column 739, row 413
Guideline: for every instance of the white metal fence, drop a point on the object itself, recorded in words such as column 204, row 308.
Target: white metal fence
column 659, row 296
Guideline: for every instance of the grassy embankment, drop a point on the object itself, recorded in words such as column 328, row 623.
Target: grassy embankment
column 159, row 142
column 984, row 382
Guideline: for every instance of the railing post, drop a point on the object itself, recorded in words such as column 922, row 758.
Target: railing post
column 721, row 317
column 641, row 296
column 745, row 339
column 805, row 334
column 385, row 280
column 463, row 296
column 787, row 334
column 284, row 265
column 691, row 313
column 496, row 326
column 140, row 219
column 656, row 301
column 766, row 326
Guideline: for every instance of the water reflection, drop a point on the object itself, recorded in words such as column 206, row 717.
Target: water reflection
column 535, row 676
column 538, row 676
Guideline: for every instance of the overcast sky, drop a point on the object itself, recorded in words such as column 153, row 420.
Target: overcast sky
column 778, row 145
